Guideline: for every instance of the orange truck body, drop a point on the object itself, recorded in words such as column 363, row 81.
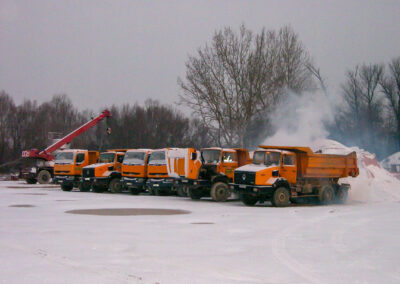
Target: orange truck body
column 167, row 167
column 68, row 166
column 106, row 174
column 298, row 172
column 214, row 171
column 134, row 170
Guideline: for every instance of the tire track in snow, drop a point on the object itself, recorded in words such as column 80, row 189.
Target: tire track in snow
column 105, row 272
column 281, row 253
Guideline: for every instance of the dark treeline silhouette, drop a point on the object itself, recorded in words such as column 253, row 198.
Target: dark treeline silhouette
column 370, row 114
column 153, row 125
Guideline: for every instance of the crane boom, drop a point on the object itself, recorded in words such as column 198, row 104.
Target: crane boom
column 46, row 154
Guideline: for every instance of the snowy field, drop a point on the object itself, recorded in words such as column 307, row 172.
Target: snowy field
column 353, row 243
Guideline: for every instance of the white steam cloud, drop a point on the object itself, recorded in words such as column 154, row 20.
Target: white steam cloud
column 301, row 119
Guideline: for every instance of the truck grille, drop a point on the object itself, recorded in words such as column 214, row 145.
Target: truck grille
column 88, row 172
column 245, row 177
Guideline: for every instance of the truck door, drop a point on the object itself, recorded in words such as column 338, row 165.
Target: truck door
column 118, row 164
column 229, row 163
column 288, row 168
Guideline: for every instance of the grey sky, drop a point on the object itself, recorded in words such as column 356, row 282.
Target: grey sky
column 104, row 52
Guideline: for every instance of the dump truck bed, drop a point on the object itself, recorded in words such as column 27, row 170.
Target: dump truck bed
column 315, row 165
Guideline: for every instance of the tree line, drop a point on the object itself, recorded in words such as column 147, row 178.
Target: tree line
column 152, row 125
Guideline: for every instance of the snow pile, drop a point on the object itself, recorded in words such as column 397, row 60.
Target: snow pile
column 374, row 183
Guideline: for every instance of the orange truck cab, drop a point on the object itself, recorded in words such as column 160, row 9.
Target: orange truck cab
column 294, row 174
column 105, row 174
column 166, row 168
column 68, row 166
column 215, row 171
column 134, row 170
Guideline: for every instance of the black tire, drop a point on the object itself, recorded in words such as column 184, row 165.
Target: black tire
column 44, row 177
column 157, row 191
column 115, row 185
column 98, row 188
column 194, row 193
column 219, row 191
column 249, row 200
column 84, row 187
column 341, row 196
column 180, row 191
column 326, row 194
column 66, row 187
column 31, row 181
column 281, row 197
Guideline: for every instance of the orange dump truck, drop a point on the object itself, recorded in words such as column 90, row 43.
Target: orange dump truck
column 290, row 174
column 68, row 166
column 213, row 173
column 134, row 170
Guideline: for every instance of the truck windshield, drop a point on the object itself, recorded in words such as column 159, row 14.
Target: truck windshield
column 267, row 158
column 107, row 158
column 134, row 158
column 64, row 158
column 157, row 158
column 211, row 156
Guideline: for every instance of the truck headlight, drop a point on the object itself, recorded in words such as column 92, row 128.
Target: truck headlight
column 33, row 170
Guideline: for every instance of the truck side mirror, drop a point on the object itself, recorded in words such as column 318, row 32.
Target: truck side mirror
column 193, row 156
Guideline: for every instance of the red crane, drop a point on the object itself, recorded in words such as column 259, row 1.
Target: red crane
column 46, row 154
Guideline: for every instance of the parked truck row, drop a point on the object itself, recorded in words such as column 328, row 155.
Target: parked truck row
column 274, row 173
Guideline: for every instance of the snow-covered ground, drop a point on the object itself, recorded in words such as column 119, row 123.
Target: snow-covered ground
column 353, row 243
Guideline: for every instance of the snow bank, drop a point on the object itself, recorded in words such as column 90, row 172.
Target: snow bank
column 374, row 183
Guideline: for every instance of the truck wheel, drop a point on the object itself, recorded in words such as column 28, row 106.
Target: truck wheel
column 98, row 188
column 66, row 187
column 84, row 187
column 194, row 193
column 219, row 191
column 31, row 181
column 157, row 191
column 249, row 200
column 44, row 177
column 341, row 196
column 115, row 186
column 326, row 194
column 281, row 197
column 180, row 191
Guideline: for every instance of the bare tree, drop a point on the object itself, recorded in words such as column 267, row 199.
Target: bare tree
column 391, row 88
column 239, row 75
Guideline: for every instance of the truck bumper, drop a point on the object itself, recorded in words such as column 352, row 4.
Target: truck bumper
column 265, row 191
column 160, row 184
column 67, row 180
column 129, row 183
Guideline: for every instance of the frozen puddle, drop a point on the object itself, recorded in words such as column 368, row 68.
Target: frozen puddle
column 127, row 211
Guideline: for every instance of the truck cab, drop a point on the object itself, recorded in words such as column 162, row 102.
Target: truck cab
column 105, row 174
column 68, row 166
column 158, row 181
column 134, row 170
column 290, row 174
column 216, row 172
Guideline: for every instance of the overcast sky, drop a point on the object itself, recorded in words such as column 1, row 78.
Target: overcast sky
column 105, row 52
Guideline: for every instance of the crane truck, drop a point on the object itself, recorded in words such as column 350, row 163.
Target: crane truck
column 283, row 174
column 44, row 168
